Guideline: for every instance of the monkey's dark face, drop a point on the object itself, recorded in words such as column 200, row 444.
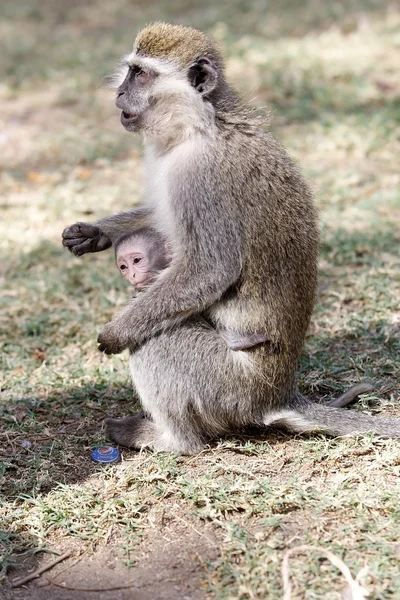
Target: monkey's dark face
column 159, row 97
column 134, row 96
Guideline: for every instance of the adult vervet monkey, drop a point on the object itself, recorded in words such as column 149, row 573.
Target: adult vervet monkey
column 225, row 193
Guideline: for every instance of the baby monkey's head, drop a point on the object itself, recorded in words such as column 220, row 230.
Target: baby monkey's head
column 141, row 255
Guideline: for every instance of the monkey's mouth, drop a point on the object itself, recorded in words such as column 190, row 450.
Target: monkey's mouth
column 132, row 121
column 128, row 118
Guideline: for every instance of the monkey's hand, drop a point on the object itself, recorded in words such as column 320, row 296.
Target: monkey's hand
column 84, row 237
column 113, row 339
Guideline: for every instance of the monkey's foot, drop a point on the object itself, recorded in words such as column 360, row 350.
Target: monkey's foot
column 134, row 431
column 138, row 431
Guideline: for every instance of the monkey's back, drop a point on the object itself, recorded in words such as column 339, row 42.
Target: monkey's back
column 277, row 288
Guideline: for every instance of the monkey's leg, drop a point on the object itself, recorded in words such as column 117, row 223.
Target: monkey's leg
column 134, row 431
column 137, row 431
column 193, row 386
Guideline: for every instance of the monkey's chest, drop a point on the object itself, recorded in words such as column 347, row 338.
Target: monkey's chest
column 158, row 200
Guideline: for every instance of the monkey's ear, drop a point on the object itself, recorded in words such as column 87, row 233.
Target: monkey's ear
column 203, row 75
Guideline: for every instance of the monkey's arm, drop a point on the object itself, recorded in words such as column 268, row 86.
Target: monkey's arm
column 81, row 238
column 192, row 283
column 171, row 299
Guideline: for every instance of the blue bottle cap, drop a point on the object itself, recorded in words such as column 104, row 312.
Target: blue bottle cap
column 105, row 455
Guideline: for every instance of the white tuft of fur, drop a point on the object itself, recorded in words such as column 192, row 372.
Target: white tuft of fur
column 162, row 66
column 290, row 419
column 245, row 361
column 115, row 79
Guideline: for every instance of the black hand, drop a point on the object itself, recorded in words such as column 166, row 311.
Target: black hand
column 81, row 238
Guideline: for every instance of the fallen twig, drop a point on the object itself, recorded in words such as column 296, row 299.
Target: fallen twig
column 70, row 566
column 357, row 591
column 38, row 572
column 103, row 589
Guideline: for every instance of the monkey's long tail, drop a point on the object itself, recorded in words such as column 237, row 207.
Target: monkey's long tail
column 306, row 416
column 351, row 395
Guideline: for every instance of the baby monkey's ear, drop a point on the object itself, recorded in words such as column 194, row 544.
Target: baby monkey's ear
column 203, row 75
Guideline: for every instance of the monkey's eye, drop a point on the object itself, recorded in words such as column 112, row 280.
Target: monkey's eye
column 123, row 267
column 142, row 75
column 137, row 260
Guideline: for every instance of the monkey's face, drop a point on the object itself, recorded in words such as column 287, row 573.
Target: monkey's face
column 136, row 94
column 135, row 266
column 141, row 257
column 161, row 98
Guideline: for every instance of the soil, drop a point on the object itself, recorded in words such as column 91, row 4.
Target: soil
column 167, row 568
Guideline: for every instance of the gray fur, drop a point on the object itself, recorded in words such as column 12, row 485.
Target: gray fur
column 230, row 197
column 243, row 341
column 155, row 251
column 351, row 395
column 310, row 417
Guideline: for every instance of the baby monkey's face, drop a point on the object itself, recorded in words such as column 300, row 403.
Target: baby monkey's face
column 140, row 258
column 134, row 265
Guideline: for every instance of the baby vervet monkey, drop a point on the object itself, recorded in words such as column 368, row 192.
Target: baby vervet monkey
column 141, row 255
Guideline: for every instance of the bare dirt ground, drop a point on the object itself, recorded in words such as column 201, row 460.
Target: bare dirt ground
column 169, row 566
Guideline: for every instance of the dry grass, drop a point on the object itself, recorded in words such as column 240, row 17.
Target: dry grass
column 216, row 525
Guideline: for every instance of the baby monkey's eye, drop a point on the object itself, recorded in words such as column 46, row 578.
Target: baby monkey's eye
column 123, row 267
column 137, row 260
